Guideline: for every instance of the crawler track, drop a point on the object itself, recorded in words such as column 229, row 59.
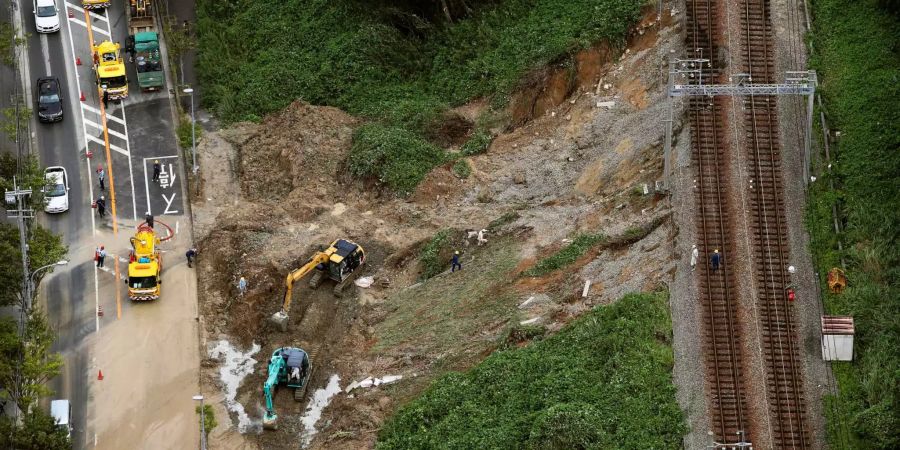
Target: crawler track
column 727, row 400
column 784, row 390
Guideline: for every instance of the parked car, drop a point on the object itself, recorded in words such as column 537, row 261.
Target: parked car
column 49, row 104
column 61, row 410
column 46, row 16
column 57, row 190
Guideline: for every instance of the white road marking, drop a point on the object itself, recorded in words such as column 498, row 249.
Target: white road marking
column 99, row 17
column 97, row 112
column 176, row 226
column 100, row 127
column 96, row 299
column 115, row 148
column 169, row 203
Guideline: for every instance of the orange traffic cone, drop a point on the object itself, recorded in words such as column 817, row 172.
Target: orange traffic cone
column 71, row 14
column 82, row 96
column 100, row 375
column 99, row 311
column 77, row 61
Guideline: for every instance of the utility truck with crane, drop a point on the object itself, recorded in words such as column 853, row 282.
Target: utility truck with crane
column 340, row 262
column 144, row 265
column 110, row 70
column 289, row 367
column 95, row 4
column 142, row 44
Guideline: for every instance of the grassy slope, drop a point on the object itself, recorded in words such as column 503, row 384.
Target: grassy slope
column 856, row 52
column 257, row 57
column 604, row 381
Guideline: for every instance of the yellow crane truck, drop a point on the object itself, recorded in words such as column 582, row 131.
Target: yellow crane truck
column 110, row 70
column 144, row 265
column 95, row 4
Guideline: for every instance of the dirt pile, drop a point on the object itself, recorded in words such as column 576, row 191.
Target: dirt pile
column 282, row 191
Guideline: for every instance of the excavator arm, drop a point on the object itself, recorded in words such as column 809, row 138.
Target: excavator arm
column 270, row 419
column 318, row 258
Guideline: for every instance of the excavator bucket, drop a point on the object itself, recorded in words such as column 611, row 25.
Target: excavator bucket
column 270, row 422
column 280, row 319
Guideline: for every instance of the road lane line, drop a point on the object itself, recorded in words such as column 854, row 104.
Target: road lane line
column 114, row 147
column 112, row 132
column 97, row 112
column 99, row 17
column 45, row 50
column 96, row 299
column 118, row 293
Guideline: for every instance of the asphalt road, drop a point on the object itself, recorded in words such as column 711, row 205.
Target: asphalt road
column 140, row 130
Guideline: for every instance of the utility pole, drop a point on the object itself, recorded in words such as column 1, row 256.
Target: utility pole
column 17, row 208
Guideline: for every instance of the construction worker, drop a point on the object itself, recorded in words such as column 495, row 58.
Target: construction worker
column 242, row 286
column 156, row 170
column 715, row 260
column 101, row 206
column 454, row 262
column 190, row 255
column 695, row 255
column 101, row 177
column 105, row 100
column 100, row 256
column 149, row 219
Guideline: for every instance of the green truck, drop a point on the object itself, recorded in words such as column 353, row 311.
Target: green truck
column 143, row 46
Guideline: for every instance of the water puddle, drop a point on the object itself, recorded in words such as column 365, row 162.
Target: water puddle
column 320, row 399
column 236, row 365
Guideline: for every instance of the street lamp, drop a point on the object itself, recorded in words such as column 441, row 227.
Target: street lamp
column 61, row 262
column 202, row 422
column 190, row 91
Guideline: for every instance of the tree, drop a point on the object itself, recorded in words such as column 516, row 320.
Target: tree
column 44, row 248
column 27, row 361
column 28, row 174
column 38, row 431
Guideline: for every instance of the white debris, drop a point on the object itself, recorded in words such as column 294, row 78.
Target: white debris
column 530, row 321
column 364, row 282
column 320, row 399
column 372, row 381
column 607, row 105
column 535, row 300
column 235, row 366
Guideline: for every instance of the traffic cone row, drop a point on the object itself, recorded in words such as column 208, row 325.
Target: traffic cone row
column 99, row 311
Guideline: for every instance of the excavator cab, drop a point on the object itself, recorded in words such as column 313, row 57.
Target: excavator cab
column 346, row 257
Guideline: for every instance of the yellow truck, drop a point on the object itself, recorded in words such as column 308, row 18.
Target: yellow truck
column 144, row 265
column 95, row 4
column 110, row 70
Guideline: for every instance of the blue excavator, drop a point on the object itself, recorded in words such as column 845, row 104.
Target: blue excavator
column 289, row 367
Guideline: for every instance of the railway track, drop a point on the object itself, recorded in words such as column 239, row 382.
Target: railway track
column 770, row 250
column 724, row 374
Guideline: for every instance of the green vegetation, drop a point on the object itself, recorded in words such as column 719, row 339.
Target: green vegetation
column 604, row 381
column 435, row 254
column 478, row 143
column 388, row 62
column 506, row 219
column 855, row 51
column 44, row 248
column 38, row 431
column 9, row 120
column 209, row 417
column 397, row 157
column 8, row 43
column 565, row 256
column 461, row 168
column 29, row 175
column 446, row 319
column 185, row 140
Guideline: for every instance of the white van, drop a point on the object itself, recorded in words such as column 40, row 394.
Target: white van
column 61, row 410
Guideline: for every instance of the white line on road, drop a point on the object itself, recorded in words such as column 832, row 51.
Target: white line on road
column 116, row 148
column 45, row 50
column 96, row 300
column 111, row 131
column 97, row 112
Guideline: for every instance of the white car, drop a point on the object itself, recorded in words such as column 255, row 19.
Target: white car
column 57, row 190
column 46, row 16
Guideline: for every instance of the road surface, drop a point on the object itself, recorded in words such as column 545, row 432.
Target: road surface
column 148, row 352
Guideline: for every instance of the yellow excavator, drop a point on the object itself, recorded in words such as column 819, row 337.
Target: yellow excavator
column 110, row 70
column 340, row 262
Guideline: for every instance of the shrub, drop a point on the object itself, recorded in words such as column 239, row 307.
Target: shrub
column 478, row 143
column 462, row 169
column 184, row 133
column 433, row 257
column 603, row 381
column 567, row 255
column 397, row 157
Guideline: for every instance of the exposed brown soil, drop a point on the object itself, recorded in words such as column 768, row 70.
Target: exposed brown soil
column 566, row 166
